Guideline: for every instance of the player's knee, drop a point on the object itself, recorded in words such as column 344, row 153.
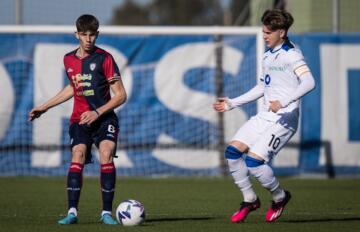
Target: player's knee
column 234, row 159
column 106, row 156
column 78, row 155
column 232, row 153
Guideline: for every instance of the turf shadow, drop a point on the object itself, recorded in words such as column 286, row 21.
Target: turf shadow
column 324, row 220
column 169, row 219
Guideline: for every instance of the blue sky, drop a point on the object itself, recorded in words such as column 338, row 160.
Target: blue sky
column 60, row 12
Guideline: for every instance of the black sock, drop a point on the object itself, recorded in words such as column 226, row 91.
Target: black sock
column 108, row 179
column 74, row 184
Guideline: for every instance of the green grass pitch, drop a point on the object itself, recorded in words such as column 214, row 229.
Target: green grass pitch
column 180, row 204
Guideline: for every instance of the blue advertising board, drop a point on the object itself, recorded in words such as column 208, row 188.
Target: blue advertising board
column 167, row 126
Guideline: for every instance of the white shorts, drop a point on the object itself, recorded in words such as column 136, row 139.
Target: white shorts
column 263, row 137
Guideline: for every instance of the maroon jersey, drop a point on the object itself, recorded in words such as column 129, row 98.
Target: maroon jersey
column 90, row 78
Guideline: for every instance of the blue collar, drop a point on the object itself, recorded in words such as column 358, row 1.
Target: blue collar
column 286, row 45
column 276, row 49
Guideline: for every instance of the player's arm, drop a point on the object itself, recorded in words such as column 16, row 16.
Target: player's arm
column 307, row 83
column 224, row 104
column 116, row 100
column 64, row 95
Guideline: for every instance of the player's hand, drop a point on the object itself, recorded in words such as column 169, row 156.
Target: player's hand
column 88, row 117
column 36, row 112
column 275, row 106
column 222, row 104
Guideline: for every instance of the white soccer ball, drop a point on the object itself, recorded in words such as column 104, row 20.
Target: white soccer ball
column 130, row 213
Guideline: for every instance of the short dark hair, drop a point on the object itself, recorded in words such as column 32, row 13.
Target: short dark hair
column 277, row 19
column 87, row 22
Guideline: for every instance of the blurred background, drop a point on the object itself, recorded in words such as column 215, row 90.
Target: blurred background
column 311, row 16
column 172, row 75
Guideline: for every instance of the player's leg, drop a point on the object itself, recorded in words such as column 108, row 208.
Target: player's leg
column 74, row 183
column 79, row 138
column 234, row 155
column 239, row 172
column 107, row 179
column 268, row 146
column 107, row 147
column 265, row 175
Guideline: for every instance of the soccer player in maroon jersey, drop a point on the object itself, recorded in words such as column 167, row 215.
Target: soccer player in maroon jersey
column 92, row 73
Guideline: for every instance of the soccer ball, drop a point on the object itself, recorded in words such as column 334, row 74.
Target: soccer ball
column 130, row 213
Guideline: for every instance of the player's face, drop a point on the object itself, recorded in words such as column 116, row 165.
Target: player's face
column 273, row 38
column 87, row 39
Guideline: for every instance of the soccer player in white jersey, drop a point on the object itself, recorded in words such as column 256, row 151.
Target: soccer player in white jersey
column 285, row 79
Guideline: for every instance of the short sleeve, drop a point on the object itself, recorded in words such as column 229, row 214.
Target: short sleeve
column 111, row 70
column 65, row 62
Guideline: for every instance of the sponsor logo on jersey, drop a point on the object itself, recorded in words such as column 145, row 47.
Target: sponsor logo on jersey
column 81, row 80
column 88, row 92
column 85, row 93
column 277, row 68
column 70, row 70
column 267, row 79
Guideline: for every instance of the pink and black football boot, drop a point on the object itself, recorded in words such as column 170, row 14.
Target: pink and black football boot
column 245, row 209
column 276, row 209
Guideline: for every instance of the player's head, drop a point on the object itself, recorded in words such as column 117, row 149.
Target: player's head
column 276, row 24
column 87, row 31
column 86, row 23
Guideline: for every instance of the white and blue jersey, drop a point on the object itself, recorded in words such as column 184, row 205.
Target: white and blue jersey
column 267, row 132
column 279, row 79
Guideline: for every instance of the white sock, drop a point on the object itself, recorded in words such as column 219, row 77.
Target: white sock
column 105, row 212
column 239, row 172
column 278, row 195
column 72, row 210
column 265, row 175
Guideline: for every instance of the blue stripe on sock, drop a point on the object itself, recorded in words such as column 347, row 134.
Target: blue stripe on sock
column 252, row 162
column 232, row 153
